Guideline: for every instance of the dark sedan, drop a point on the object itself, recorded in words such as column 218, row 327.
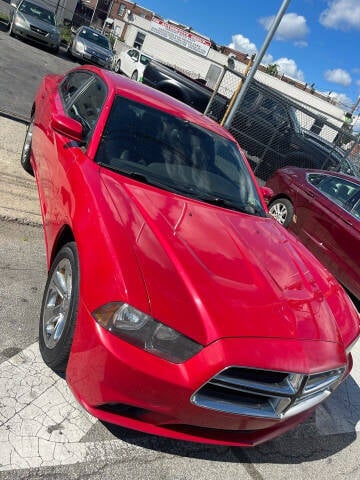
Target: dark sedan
column 323, row 210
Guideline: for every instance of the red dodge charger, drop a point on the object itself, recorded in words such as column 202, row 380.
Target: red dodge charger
column 176, row 305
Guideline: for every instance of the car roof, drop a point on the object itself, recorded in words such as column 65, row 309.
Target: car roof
column 304, row 171
column 156, row 99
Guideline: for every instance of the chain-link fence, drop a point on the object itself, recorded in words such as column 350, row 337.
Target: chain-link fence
column 275, row 130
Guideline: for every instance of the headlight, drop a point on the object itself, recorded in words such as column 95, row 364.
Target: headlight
column 80, row 47
column 144, row 332
column 21, row 22
column 352, row 345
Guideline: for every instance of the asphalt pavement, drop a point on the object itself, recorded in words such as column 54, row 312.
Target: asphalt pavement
column 18, row 195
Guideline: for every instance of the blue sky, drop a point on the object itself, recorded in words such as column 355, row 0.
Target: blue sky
column 318, row 41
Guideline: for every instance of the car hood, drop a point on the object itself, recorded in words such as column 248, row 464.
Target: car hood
column 212, row 273
column 36, row 22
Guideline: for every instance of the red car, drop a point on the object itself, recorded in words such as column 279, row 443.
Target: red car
column 323, row 210
column 175, row 303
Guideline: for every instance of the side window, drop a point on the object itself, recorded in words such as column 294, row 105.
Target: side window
column 338, row 189
column 355, row 211
column 273, row 112
column 87, row 105
column 71, row 84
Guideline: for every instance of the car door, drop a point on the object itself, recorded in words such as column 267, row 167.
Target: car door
column 345, row 236
column 130, row 59
column 326, row 226
column 80, row 95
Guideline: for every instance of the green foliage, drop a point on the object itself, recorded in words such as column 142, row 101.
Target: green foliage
column 3, row 17
column 65, row 34
column 272, row 69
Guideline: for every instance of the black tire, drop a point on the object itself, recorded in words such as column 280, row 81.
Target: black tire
column 282, row 210
column 134, row 75
column 117, row 67
column 59, row 308
column 26, row 150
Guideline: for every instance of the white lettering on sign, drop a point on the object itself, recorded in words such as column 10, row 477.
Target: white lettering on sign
column 175, row 34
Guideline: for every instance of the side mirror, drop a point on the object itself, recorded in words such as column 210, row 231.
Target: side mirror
column 267, row 193
column 67, row 126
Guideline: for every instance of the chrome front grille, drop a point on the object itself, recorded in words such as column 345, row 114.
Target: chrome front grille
column 38, row 30
column 266, row 393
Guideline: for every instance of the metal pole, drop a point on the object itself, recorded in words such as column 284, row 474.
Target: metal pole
column 258, row 59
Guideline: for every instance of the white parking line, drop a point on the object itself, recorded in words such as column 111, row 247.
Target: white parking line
column 41, row 424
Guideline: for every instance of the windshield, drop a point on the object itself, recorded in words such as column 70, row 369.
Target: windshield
column 41, row 13
column 171, row 153
column 94, row 37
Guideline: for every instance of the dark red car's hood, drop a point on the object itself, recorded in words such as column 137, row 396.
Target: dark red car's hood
column 211, row 272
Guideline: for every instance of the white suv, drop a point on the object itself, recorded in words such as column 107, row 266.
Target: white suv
column 132, row 62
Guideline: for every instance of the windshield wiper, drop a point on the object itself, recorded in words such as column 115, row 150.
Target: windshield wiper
column 222, row 202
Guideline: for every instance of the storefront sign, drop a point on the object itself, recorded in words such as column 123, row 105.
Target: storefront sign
column 175, row 34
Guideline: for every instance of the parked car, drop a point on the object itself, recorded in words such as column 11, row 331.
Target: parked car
column 132, row 62
column 323, row 210
column 33, row 21
column 91, row 46
column 175, row 303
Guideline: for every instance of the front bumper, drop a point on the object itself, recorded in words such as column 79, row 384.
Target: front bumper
column 122, row 384
column 93, row 59
column 44, row 39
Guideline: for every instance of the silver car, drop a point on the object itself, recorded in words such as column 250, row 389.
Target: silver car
column 33, row 21
column 91, row 46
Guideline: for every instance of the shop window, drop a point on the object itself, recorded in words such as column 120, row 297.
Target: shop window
column 139, row 40
column 121, row 10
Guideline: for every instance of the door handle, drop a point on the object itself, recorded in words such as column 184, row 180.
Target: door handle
column 347, row 222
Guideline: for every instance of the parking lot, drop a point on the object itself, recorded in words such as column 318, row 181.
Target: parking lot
column 44, row 432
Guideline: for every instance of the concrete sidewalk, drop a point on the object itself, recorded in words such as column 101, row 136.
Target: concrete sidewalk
column 18, row 193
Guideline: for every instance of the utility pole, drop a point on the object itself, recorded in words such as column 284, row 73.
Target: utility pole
column 257, row 61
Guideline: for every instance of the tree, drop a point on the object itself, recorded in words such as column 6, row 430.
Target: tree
column 272, row 69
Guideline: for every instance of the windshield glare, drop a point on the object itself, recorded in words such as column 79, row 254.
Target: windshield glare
column 176, row 155
column 36, row 11
column 94, row 37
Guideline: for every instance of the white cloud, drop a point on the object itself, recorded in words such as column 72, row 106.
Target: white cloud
column 339, row 76
column 342, row 99
column 242, row 44
column 341, row 15
column 288, row 67
column 358, row 83
column 292, row 27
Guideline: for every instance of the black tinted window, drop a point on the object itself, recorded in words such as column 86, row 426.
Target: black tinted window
column 87, row 106
column 72, row 83
column 177, row 155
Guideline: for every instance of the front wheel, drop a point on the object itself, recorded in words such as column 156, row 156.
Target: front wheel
column 135, row 75
column 59, row 308
column 282, row 210
column 117, row 67
column 26, row 150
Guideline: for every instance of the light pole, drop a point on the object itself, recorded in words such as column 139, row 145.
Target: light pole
column 257, row 61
